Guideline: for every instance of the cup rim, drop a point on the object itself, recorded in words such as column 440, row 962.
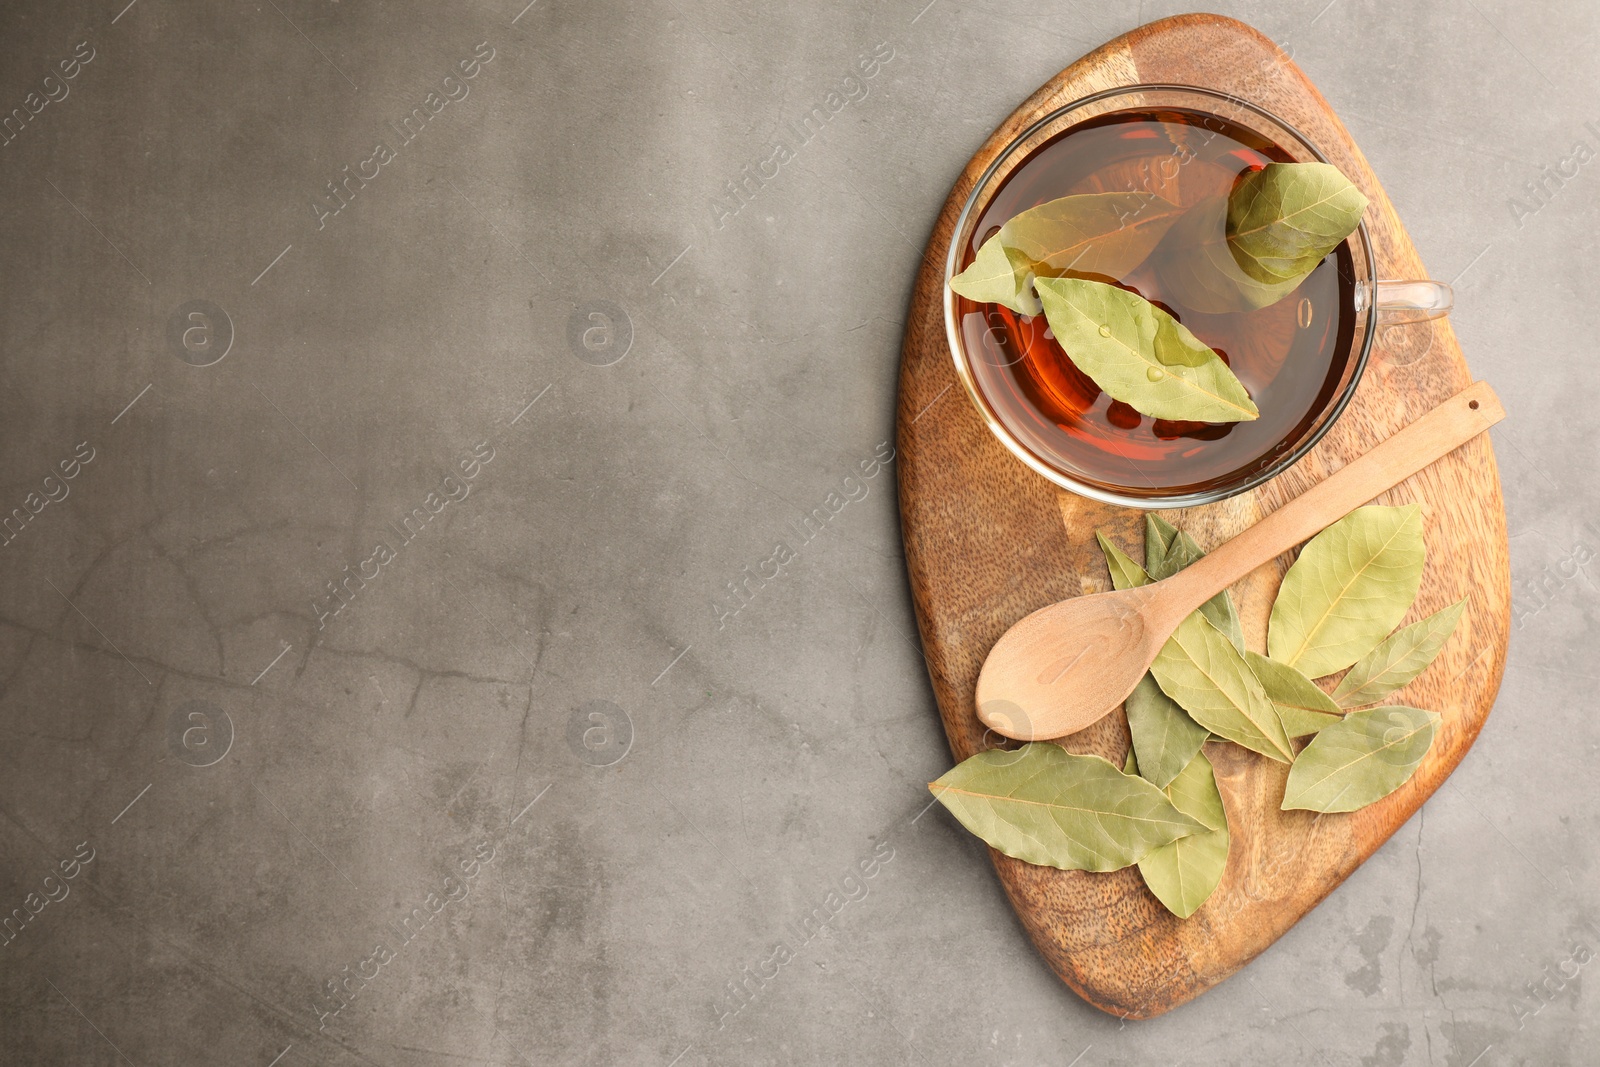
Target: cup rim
column 1100, row 493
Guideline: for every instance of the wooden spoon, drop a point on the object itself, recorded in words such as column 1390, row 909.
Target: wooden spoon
column 1069, row 664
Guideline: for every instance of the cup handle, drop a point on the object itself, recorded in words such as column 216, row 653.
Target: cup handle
column 1405, row 301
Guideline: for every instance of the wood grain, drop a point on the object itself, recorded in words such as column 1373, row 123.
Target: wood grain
column 988, row 541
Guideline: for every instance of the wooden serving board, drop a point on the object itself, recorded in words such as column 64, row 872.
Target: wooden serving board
column 988, row 541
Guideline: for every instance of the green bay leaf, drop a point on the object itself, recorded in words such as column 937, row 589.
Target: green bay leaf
column 1350, row 586
column 1125, row 573
column 1199, row 270
column 1365, row 756
column 1402, row 656
column 1183, row 874
column 1158, row 535
column 1179, row 552
column 999, row 275
column 1044, row 805
column 1208, row 677
column 1140, row 355
column 1284, row 218
column 1302, row 706
column 1182, row 551
column 1165, row 738
column 1092, row 233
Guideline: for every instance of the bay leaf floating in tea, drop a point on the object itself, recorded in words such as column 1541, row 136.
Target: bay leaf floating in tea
column 1286, row 354
column 1350, row 586
column 1254, row 247
column 1093, row 233
column 1183, row 874
column 1284, row 218
column 1140, row 355
column 1402, row 656
column 999, row 275
column 1199, row 269
column 1044, row 805
column 1362, row 758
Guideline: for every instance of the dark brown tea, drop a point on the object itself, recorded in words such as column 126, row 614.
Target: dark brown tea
column 1290, row 355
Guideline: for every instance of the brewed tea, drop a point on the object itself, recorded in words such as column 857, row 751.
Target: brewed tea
column 1290, row 355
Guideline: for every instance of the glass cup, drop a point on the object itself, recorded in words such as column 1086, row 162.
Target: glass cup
column 1369, row 301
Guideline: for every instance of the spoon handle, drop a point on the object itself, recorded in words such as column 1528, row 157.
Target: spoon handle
column 1438, row 433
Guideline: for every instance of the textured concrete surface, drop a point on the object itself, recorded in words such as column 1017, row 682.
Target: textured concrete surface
column 527, row 789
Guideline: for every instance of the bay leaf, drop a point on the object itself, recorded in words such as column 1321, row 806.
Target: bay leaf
column 1302, row 706
column 1158, row 534
column 1200, row 669
column 1131, row 764
column 1180, row 551
column 1125, row 573
column 1140, row 355
column 1092, row 233
column 1044, row 805
column 1183, row 551
column 1286, row 217
column 1258, row 341
column 1183, row 874
column 1165, row 738
column 1199, row 270
column 1350, row 586
column 1402, row 656
column 999, row 275
column 1364, row 757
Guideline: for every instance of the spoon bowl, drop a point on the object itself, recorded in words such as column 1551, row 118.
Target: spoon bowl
column 1074, row 661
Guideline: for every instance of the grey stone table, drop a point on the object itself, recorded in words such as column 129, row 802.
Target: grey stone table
column 451, row 604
